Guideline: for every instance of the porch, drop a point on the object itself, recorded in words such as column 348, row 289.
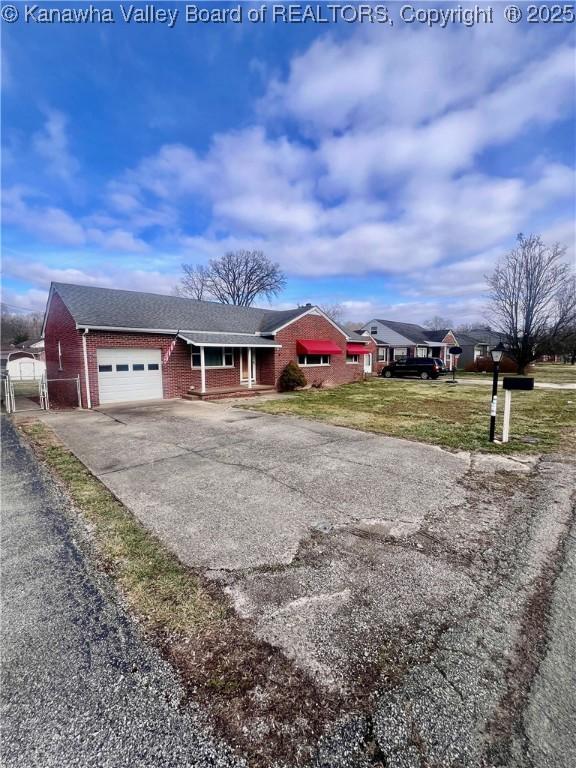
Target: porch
column 229, row 365
column 238, row 390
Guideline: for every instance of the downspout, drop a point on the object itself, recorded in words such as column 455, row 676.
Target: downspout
column 86, row 377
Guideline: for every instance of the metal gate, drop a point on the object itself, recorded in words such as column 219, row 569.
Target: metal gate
column 21, row 395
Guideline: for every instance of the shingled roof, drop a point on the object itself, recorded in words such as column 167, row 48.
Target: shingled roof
column 111, row 308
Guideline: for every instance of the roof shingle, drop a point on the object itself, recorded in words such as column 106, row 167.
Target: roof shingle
column 112, row 308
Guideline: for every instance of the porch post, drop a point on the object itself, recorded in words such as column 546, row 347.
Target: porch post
column 249, row 367
column 202, row 372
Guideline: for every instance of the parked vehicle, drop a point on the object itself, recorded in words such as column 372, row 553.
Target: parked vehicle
column 424, row 367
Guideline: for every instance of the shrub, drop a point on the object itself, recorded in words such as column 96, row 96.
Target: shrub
column 291, row 378
column 507, row 365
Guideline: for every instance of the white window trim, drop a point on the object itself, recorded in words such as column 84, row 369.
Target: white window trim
column 60, row 367
column 353, row 362
column 212, row 367
column 314, row 365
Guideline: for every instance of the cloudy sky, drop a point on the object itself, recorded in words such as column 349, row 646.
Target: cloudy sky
column 385, row 168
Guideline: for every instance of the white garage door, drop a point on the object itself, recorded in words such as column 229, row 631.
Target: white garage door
column 129, row 374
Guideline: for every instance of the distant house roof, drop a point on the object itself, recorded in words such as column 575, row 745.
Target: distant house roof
column 394, row 333
column 464, row 340
column 409, row 331
column 31, row 343
column 95, row 307
column 485, row 336
column 436, row 335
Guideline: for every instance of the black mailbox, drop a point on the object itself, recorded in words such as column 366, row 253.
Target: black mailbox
column 518, row 382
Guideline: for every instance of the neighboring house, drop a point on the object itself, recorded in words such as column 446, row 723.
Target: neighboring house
column 396, row 340
column 126, row 345
column 33, row 345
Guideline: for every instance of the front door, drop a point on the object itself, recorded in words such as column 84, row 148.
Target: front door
column 244, row 366
column 368, row 363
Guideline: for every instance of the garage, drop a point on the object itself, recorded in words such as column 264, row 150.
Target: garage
column 129, row 374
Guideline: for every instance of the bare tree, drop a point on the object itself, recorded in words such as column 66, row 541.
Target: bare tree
column 438, row 323
column 16, row 328
column 237, row 278
column 334, row 311
column 194, row 283
column 532, row 298
column 562, row 335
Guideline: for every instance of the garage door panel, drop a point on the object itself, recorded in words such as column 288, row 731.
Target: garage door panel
column 129, row 374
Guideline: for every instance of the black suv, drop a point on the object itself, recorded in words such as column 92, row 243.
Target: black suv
column 424, row 367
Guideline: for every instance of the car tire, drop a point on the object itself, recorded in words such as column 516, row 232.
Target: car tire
column 424, row 375
column 387, row 374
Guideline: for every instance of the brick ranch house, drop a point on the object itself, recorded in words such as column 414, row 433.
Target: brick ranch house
column 127, row 345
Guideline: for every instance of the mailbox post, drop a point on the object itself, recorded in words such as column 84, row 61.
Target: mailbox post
column 496, row 355
column 508, row 384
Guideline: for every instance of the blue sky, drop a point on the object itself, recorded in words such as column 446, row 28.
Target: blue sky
column 385, row 168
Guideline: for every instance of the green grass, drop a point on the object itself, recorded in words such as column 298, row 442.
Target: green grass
column 455, row 417
column 549, row 373
column 26, row 388
column 165, row 595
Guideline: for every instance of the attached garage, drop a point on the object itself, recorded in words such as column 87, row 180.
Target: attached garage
column 129, row 374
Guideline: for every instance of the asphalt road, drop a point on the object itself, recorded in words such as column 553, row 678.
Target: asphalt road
column 79, row 686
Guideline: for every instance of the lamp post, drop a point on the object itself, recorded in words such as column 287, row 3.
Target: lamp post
column 496, row 355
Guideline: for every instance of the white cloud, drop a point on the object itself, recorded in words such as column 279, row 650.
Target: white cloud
column 52, row 146
column 107, row 275
column 367, row 158
column 33, row 299
column 404, row 78
column 45, row 221
column 55, row 225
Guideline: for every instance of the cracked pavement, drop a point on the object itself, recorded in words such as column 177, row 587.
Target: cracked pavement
column 80, row 687
column 391, row 570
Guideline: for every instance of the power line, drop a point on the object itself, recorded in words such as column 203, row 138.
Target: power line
column 22, row 309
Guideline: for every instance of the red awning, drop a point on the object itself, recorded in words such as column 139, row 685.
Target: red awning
column 357, row 349
column 317, row 347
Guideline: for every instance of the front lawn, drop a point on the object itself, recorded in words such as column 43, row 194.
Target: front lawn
column 452, row 416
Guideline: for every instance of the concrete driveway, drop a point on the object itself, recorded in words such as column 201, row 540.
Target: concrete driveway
column 370, row 561
column 231, row 489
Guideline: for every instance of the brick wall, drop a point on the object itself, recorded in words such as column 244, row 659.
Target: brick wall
column 316, row 327
column 176, row 373
column 217, row 377
column 60, row 327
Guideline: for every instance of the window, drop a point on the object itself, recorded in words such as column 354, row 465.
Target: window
column 104, row 369
column 381, row 353
column 59, row 357
column 214, row 357
column 352, row 358
column 421, row 352
column 138, row 366
column 153, row 367
column 374, row 330
column 123, row 367
column 314, row 359
column 400, row 353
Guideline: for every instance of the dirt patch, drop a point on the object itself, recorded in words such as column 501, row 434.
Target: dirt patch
column 507, row 725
